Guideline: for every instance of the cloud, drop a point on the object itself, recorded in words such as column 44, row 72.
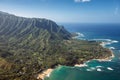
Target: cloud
column 79, row 1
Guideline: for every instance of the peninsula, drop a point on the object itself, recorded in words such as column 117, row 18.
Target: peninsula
column 32, row 46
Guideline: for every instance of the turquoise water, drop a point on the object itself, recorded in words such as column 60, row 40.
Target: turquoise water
column 95, row 70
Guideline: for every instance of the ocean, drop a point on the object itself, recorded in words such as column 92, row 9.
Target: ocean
column 94, row 70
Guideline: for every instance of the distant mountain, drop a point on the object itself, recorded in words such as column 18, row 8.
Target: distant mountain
column 30, row 45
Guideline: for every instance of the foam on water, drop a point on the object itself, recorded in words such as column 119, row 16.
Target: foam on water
column 109, row 68
column 112, row 48
column 108, row 40
column 115, row 41
column 88, row 69
column 79, row 36
column 81, row 65
column 92, row 68
column 99, row 66
column 99, row 70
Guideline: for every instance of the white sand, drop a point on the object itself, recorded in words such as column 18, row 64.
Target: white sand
column 44, row 74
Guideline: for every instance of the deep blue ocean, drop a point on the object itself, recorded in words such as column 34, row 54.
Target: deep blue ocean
column 95, row 70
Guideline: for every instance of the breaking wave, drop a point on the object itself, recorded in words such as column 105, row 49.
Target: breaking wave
column 99, row 66
column 112, row 48
column 106, row 42
column 99, row 69
column 91, row 69
column 109, row 68
column 79, row 36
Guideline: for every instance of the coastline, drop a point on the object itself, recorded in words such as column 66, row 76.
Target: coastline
column 47, row 72
column 108, row 58
column 44, row 74
column 80, row 65
column 104, row 59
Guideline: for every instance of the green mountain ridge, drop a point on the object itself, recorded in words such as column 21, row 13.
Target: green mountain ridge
column 30, row 45
column 19, row 31
column 14, row 26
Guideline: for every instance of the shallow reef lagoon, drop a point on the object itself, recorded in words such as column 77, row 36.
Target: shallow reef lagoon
column 95, row 70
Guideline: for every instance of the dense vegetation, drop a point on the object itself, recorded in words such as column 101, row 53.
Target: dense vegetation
column 31, row 45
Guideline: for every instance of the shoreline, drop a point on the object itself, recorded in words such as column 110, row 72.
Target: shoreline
column 47, row 72
column 104, row 59
column 108, row 58
column 100, row 60
column 44, row 74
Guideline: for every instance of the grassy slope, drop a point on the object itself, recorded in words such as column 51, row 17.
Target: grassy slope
column 30, row 45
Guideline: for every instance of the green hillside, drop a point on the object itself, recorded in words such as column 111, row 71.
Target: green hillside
column 30, row 45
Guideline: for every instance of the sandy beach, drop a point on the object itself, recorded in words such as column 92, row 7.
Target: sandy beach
column 44, row 74
column 80, row 65
column 47, row 72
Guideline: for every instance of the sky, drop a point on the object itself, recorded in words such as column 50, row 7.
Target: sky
column 73, row 11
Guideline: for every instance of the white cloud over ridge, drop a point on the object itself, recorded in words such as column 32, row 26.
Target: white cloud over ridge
column 78, row 1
